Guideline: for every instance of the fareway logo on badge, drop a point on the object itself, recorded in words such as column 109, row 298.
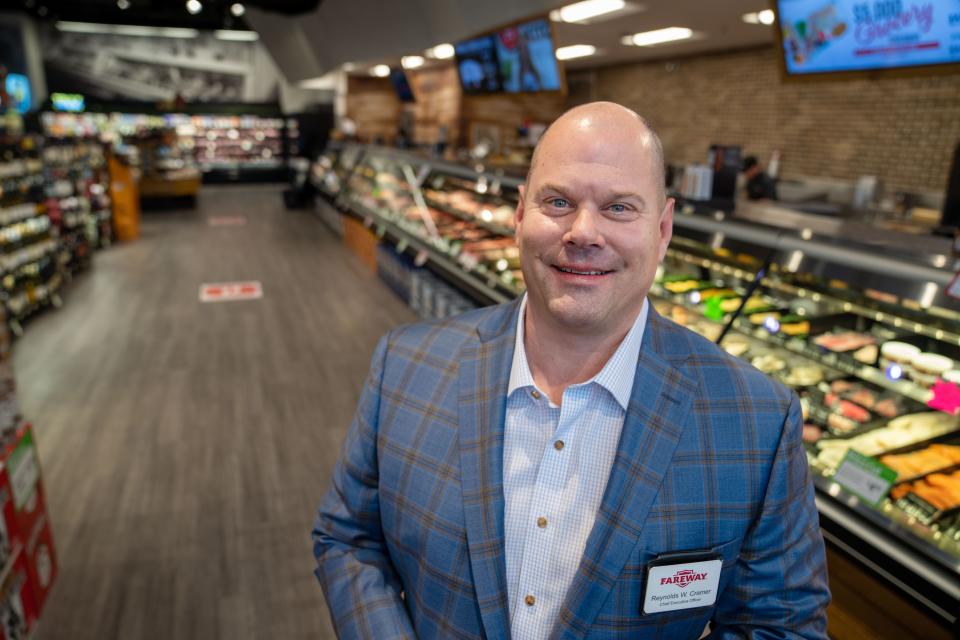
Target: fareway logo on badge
column 682, row 586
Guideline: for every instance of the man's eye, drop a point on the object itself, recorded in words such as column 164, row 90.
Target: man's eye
column 618, row 208
column 560, row 203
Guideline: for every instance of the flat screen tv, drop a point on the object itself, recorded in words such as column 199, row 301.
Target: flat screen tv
column 477, row 64
column 527, row 58
column 401, row 85
column 823, row 36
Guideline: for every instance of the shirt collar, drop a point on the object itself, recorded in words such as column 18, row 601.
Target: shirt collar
column 617, row 374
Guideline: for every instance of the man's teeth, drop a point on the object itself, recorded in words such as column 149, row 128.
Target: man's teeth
column 582, row 273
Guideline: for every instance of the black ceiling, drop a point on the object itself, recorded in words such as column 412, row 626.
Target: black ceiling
column 160, row 13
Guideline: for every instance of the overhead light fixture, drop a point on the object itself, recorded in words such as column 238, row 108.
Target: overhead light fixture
column 411, row 62
column 328, row 81
column 441, row 51
column 575, row 51
column 380, row 71
column 123, row 5
column 586, row 10
column 766, row 17
column 237, row 9
column 658, row 36
column 125, row 29
column 236, row 35
column 194, row 7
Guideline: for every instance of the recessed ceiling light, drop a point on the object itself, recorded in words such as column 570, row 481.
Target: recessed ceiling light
column 658, row 36
column 766, row 17
column 126, row 29
column 123, row 5
column 381, row 71
column 441, row 51
column 194, row 7
column 237, row 9
column 586, row 10
column 575, row 51
column 236, row 35
column 411, row 62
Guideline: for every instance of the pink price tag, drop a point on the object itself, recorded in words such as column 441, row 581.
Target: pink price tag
column 946, row 397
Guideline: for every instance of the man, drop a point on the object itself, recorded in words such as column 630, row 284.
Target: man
column 760, row 186
column 572, row 465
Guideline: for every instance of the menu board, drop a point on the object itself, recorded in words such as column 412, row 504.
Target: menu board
column 477, row 64
column 849, row 35
column 527, row 59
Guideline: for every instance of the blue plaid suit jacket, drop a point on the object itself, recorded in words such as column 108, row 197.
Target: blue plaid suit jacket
column 409, row 540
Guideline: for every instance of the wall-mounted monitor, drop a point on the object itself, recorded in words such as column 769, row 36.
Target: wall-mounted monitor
column 18, row 92
column 477, row 64
column 823, row 36
column 401, row 85
column 527, row 59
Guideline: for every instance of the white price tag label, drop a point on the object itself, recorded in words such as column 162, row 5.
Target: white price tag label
column 864, row 477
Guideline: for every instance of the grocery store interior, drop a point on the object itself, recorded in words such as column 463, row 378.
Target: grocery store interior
column 211, row 210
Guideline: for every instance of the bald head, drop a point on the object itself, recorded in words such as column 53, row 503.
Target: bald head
column 606, row 123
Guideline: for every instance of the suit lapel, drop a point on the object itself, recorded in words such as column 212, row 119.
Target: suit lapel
column 483, row 380
column 659, row 405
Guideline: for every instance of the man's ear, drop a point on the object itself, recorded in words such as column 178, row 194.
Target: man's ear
column 518, row 214
column 666, row 228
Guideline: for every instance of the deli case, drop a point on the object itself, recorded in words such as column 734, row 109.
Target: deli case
column 858, row 321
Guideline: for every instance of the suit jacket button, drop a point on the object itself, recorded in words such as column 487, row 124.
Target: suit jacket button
column 530, row 600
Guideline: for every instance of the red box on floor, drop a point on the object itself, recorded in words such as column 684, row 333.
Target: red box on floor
column 41, row 562
column 18, row 612
column 20, row 472
column 24, row 523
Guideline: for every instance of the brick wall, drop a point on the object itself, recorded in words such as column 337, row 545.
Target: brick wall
column 901, row 129
column 437, row 89
column 373, row 105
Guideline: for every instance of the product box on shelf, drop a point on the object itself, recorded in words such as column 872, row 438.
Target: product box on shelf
column 41, row 561
column 18, row 611
column 24, row 523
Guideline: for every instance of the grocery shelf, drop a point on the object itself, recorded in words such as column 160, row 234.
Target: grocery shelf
column 436, row 250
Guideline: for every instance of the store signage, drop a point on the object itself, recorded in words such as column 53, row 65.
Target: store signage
column 868, row 479
column 845, row 35
column 946, row 397
column 227, row 221
column 230, row 291
column 70, row 102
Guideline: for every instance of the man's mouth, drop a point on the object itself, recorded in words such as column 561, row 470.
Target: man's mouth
column 582, row 271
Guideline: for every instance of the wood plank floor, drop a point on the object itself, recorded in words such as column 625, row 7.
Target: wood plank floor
column 185, row 446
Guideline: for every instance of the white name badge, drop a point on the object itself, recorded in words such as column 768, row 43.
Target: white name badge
column 681, row 585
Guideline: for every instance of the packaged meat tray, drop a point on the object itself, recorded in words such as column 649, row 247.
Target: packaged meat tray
column 920, row 462
column 905, row 431
column 933, row 498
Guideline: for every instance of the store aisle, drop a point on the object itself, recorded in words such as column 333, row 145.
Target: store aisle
column 185, row 446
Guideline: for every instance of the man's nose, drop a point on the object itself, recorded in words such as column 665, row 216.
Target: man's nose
column 585, row 229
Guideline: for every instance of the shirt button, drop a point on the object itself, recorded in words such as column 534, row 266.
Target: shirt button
column 530, row 600
column 542, row 522
column 558, row 445
column 535, row 394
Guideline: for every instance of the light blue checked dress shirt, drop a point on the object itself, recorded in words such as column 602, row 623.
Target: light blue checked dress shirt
column 556, row 462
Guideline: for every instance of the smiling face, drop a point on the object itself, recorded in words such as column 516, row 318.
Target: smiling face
column 592, row 223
